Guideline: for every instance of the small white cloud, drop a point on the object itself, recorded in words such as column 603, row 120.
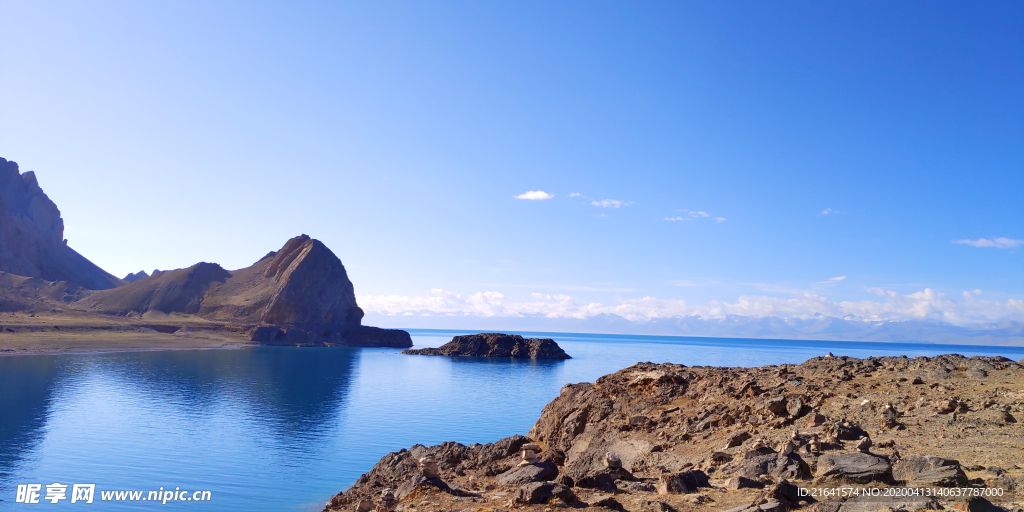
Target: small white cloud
column 535, row 195
column 832, row 280
column 611, row 203
column 719, row 219
column 675, row 219
column 575, row 194
column 998, row 243
column 826, row 211
column 699, row 214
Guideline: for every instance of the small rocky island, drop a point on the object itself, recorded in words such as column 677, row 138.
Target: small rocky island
column 493, row 344
column 671, row 438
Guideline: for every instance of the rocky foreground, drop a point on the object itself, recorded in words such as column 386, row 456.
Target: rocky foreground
column 493, row 344
column 666, row 437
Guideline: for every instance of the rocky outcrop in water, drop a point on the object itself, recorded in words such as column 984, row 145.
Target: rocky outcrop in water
column 666, row 437
column 32, row 240
column 496, row 345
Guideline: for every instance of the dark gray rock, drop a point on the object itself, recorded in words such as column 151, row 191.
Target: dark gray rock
column 540, row 492
column 539, row 472
column 496, row 345
column 929, row 471
column 766, row 462
column 609, row 503
column 682, row 483
column 854, row 467
column 419, row 481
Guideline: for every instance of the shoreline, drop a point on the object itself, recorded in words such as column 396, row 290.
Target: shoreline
column 102, row 342
column 63, row 333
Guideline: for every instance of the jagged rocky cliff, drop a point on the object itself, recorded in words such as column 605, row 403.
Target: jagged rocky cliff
column 32, row 235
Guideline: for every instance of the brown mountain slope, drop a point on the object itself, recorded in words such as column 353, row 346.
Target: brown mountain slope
column 299, row 295
column 32, row 235
column 174, row 291
column 304, row 283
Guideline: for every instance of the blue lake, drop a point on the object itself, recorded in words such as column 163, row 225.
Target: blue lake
column 283, row 429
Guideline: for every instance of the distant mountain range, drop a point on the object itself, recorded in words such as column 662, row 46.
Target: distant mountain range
column 298, row 295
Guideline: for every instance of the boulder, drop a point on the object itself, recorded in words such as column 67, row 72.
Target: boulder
column 742, row 482
column 496, row 345
column 682, row 483
column 929, row 471
column 609, row 503
column 854, row 467
column 766, row 462
column 419, row 481
column 736, row 438
column 540, row 492
column 539, row 472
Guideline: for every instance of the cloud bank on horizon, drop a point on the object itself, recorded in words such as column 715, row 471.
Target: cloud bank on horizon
column 926, row 305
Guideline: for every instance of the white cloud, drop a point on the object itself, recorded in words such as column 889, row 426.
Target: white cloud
column 610, row 203
column 535, row 195
column 575, row 194
column 692, row 214
column 927, row 305
column 826, row 211
column 832, row 280
column 998, row 243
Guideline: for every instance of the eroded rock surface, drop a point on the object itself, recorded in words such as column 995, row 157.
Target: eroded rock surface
column 666, row 437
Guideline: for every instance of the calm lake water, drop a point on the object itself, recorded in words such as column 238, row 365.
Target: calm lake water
column 283, row 429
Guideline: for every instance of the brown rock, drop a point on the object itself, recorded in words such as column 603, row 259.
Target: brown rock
column 736, row 438
column 929, row 471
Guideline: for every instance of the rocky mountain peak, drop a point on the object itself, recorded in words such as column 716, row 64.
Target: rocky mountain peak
column 32, row 235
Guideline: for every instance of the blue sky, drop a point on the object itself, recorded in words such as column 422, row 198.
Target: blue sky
column 795, row 143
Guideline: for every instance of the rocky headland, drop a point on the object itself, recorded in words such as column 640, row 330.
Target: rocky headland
column 494, row 344
column 299, row 295
column 666, row 437
column 32, row 240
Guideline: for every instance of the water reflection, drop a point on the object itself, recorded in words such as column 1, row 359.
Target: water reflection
column 290, row 391
column 26, row 390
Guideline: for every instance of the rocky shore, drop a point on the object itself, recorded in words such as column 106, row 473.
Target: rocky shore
column 496, row 345
column 666, row 437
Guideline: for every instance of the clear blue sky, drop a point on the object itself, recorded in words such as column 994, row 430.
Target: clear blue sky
column 399, row 133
